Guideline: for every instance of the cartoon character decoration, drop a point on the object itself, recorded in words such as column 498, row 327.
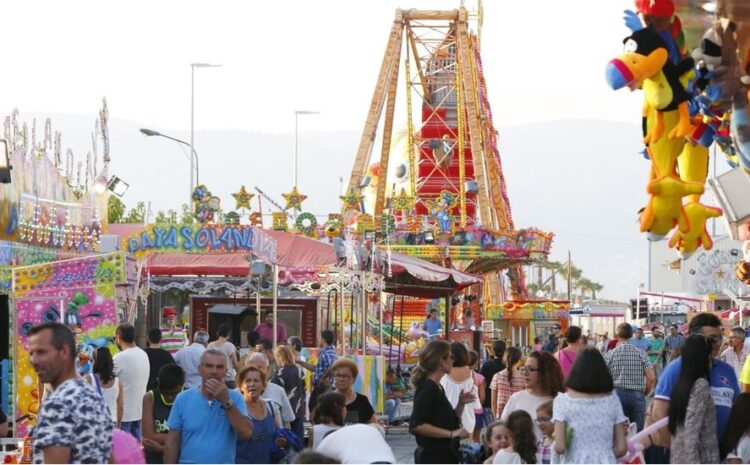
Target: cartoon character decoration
column 205, row 205
column 72, row 312
column 440, row 211
column 86, row 351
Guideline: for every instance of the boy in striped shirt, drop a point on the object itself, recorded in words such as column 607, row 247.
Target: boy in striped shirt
column 172, row 336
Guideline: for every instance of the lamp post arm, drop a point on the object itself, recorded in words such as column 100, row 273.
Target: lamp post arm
column 195, row 155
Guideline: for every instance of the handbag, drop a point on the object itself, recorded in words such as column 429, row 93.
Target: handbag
column 283, row 454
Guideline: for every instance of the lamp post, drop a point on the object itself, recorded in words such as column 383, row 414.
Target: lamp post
column 296, row 118
column 192, row 121
column 193, row 157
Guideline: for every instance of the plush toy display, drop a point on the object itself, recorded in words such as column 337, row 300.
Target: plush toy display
column 646, row 65
column 664, row 209
column 689, row 104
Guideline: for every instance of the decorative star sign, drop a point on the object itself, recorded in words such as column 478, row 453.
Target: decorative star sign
column 403, row 201
column 294, row 199
column 243, row 198
column 351, row 200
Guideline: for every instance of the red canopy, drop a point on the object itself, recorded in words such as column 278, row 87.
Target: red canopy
column 420, row 278
column 295, row 255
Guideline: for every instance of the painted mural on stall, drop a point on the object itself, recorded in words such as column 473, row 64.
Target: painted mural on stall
column 79, row 293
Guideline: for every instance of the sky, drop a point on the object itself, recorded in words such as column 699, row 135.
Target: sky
column 543, row 61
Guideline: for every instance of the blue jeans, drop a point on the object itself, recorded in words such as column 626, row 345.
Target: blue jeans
column 633, row 405
column 132, row 427
column 392, row 409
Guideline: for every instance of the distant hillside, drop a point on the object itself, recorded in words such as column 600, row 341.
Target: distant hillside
column 585, row 180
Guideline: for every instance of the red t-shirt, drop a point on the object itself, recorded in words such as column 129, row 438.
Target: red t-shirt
column 612, row 344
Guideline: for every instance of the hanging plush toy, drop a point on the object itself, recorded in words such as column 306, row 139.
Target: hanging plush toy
column 645, row 65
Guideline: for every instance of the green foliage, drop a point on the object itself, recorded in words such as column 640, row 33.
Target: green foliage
column 186, row 215
column 168, row 217
column 115, row 209
column 137, row 214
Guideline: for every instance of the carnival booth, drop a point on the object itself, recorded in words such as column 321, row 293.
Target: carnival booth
column 54, row 213
column 416, row 286
column 80, row 292
column 233, row 272
column 525, row 320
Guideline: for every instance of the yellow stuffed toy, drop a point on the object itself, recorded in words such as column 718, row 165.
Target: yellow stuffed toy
column 697, row 215
column 664, row 209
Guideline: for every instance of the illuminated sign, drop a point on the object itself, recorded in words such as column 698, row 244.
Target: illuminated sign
column 198, row 238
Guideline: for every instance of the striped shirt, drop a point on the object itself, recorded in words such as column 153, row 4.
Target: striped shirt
column 506, row 389
column 172, row 340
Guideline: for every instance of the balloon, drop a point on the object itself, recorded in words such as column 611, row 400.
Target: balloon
column 635, row 444
column 126, row 448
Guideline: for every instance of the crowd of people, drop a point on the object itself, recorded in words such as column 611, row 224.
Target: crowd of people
column 571, row 401
column 583, row 399
column 201, row 402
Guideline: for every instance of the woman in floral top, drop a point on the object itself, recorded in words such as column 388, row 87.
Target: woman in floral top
column 288, row 376
column 507, row 382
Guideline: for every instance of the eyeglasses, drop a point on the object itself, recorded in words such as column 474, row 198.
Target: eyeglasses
column 529, row 369
column 342, row 376
column 543, row 419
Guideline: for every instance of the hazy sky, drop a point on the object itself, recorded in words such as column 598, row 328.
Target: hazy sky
column 543, row 61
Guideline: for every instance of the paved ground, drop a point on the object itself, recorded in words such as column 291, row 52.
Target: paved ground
column 402, row 443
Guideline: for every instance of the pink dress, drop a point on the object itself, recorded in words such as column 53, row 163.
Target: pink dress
column 567, row 358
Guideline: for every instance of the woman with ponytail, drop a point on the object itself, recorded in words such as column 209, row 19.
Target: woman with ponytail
column 434, row 423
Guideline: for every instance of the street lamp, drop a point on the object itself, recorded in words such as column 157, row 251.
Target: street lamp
column 151, row 132
column 296, row 117
column 192, row 120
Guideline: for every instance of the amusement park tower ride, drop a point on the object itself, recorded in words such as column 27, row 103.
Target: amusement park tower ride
column 448, row 198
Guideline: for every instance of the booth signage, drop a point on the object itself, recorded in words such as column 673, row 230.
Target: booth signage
column 198, row 238
column 529, row 310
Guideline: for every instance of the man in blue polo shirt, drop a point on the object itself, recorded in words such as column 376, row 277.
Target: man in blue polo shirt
column 206, row 421
column 640, row 342
column 724, row 387
column 432, row 324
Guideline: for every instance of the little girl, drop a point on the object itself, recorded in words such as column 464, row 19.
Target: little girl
column 496, row 438
column 522, row 448
column 547, row 427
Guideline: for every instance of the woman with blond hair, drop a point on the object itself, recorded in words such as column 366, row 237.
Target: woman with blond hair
column 434, row 422
column 287, row 376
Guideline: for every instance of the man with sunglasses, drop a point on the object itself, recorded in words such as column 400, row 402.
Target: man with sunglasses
column 724, row 387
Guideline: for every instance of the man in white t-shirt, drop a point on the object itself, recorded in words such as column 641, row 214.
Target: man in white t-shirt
column 132, row 367
column 229, row 351
column 358, row 443
column 189, row 359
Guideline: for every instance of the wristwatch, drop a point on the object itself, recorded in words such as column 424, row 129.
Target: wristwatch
column 227, row 405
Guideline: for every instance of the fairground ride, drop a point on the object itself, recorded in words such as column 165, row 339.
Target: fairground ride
column 445, row 199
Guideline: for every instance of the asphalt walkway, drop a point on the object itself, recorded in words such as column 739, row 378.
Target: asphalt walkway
column 402, row 443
